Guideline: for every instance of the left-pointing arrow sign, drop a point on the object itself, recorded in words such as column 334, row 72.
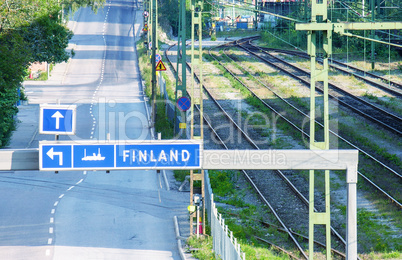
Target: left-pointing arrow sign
column 52, row 153
column 57, row 115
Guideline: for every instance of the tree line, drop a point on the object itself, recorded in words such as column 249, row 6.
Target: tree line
column 30, row 31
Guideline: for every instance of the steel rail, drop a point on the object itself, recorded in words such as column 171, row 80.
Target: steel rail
column 244, row 172
column 335, row 134
column 277, row 247
column 293, row 232
column 384, row 113
column 394, row 88
column 392, row 199
column 280, row 173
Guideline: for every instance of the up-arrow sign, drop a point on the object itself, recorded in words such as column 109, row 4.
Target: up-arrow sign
column 51, row 154
column 57, row 115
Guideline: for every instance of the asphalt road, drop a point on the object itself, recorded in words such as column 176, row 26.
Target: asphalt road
column 91, row 214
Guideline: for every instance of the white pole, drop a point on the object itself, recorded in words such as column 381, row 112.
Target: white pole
column 351, row 225
column 198, row 223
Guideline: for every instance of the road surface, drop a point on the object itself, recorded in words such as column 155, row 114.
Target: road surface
column 91, row 214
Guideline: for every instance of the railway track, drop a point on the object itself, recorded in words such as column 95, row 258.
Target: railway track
column 296, row 202
column 295, row 125
column 384, row 118
column 392, row 87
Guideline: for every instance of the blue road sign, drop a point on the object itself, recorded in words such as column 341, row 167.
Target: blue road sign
column 183, row 103
column 158, row 57
column 91, row 155
column 57, row 119
column 56, row 156
column 158, row 155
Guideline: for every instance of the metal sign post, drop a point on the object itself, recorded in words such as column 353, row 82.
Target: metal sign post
column 196, row 63
column 181, row 88
column 154, row 44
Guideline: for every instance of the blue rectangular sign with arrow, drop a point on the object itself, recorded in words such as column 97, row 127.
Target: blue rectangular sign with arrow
column 56, row 156
column 57, row 119
column 119, row 155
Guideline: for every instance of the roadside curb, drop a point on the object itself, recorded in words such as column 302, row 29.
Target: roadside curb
column 178, row 237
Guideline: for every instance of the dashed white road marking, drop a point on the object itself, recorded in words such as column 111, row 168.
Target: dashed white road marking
column 51, row 229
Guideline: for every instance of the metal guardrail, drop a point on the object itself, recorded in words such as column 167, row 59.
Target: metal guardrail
column 224, row 244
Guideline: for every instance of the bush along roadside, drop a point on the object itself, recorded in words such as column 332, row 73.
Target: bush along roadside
column 162, row 124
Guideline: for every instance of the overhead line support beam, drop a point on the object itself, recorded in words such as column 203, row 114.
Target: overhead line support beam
column 319, row 38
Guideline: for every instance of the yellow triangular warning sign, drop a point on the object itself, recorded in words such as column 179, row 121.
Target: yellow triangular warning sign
column 160, row 66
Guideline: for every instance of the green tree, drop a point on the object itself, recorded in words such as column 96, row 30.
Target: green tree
column 30, row 31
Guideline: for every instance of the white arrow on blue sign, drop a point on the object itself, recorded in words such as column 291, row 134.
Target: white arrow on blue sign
column 93, row 155
column 57, row 119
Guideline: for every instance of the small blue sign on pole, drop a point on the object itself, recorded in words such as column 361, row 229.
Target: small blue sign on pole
column 184, row 103
column 158, row 57
column 93, row 155
column 57, row 119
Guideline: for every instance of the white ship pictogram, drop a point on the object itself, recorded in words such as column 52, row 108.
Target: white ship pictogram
column 93, row 157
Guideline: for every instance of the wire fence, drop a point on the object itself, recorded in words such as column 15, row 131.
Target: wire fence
column 224, row 244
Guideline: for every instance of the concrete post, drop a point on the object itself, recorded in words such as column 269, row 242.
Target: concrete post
column 351, row 223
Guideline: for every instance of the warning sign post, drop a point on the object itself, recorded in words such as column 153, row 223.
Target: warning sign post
column 160, row 66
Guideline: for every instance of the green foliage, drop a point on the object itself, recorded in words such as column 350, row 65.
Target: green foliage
column 30, row 31
column 47, row 39
column 180, row 175
column 221, row 182
column 12, row 66
column 392, row 255
column 162, row 123
column 169, row 10
column 204, row 246
column 73, row 5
